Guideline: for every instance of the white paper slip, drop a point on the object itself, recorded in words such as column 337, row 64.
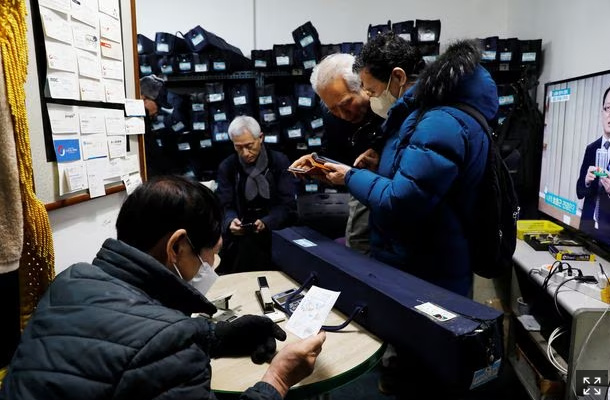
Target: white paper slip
column 91, row 121
column 311, row 312
column 85, row 37
column 115, row 168
column 131, row 164
column 135, row 126
column 304, row 243
column 115, row 123
column 85, row 11
column 134, row 108
column 435, row 312
column 110, row 28
column 115, row 91
column 60, row 56
column 117, row 146
column 112, row 69
column 88, row 64
column 110, row 7
column 74, row 177
column 64, row 119
column 96, row 171
column 131, row 182
column 94, row 146
column 63, row 85
column 59, row 5
column 91, row 90
column 55, row 26
column 111, row 49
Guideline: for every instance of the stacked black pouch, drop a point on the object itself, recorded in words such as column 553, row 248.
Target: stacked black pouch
column 146, row 56
column 489, row 53
column 283, row 55
column 405, row 30
column 268, row 114
column 508, row 54
column 507, row 98
column 353, row 48
column 262, row 59
column 307, row 45
column 426, row 35
column 531, row 55
column 375, row 30
column 199, row 121
column 328, row 49
column 168, row 47
column 241, row 99
column 222, row 56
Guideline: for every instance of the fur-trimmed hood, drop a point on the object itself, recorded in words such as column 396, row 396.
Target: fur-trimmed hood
column 457, row 76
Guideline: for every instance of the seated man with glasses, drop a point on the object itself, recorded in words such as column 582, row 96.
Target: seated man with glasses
column 257, row 194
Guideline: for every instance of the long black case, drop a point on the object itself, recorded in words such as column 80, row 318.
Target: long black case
column 459, row 350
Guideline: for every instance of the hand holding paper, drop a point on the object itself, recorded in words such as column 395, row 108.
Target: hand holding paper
column 312, row 311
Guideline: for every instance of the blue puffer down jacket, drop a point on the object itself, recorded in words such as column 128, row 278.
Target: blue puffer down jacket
column 429, row 171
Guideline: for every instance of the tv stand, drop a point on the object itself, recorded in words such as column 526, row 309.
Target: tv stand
column 579, row 315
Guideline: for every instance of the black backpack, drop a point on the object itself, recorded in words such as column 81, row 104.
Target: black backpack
column 493, row 230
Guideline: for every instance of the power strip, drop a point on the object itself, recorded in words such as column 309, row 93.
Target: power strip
column 589, row 289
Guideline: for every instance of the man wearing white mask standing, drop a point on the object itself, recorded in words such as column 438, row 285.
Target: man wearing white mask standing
column 121, row 327
column 423, row 188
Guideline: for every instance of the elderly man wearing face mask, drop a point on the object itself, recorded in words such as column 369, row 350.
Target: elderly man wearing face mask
column 121, row 327
column 422, row 189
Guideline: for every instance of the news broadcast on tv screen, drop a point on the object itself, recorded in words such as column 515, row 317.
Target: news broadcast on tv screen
column 574, row 180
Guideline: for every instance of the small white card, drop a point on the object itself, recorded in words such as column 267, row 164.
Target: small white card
column 311, row 312
column 304, row 243
column 134, row 108
column 436, row 312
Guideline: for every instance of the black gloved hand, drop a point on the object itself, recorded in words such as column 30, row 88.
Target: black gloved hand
column 250, row 334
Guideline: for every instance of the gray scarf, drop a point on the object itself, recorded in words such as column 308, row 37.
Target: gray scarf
column 256, row 183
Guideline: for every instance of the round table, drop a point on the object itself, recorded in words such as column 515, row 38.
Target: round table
column 346, row 354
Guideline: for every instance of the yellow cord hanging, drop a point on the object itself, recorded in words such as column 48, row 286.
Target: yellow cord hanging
column 36, row 266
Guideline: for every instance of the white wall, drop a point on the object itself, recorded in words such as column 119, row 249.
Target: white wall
column 347, row 20
column 259, row 24
column 79, row 230
column 574, row 35
column 232, row 20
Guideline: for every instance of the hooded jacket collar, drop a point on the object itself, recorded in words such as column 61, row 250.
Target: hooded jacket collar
column 142, row 271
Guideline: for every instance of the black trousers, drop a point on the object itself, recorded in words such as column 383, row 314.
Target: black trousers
column 250, row 252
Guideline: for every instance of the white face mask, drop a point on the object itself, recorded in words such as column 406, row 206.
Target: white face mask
column 203, row 279
column 205, row 276
column 382, row 103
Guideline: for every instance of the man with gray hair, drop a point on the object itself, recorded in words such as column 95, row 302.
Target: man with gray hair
column 350, row 128
column 257, row 194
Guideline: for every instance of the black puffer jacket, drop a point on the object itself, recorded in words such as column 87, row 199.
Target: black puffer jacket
column 117, row 329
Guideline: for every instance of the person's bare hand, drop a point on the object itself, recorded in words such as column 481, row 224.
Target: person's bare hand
column 368, row 160
column 236, row 228
column 337, row 172
column 590, row 177
column 294, row 363
column 259, row 225
column 303, row 163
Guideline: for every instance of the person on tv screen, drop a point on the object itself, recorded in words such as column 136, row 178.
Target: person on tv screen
column 594, row 181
